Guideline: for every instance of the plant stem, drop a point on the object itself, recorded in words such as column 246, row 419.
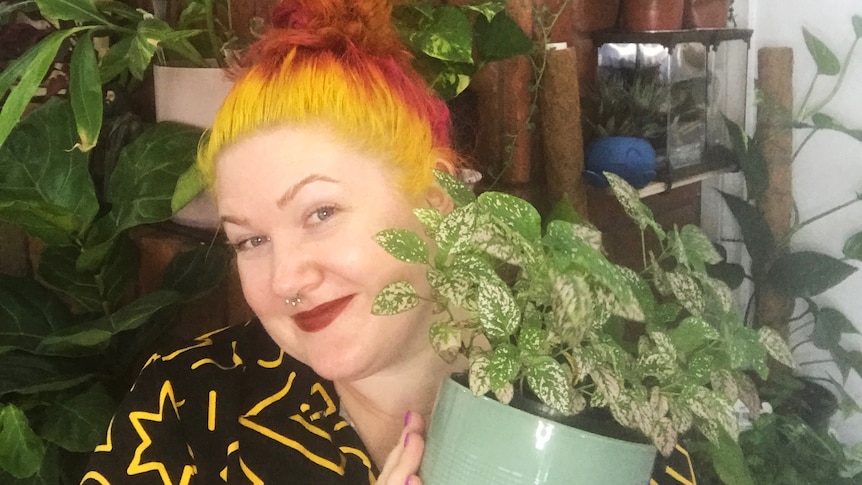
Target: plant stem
column 807, row 96
column 214, row 42
column 835, row 88
column 821, row 216
column 804, row 142
column 814, row 362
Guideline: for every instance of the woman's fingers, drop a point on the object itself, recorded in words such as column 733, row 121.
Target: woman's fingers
column 402, row 464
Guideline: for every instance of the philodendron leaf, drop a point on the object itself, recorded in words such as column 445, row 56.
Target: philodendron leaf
column 77, row 10
column 497, row 311
column 460, row 194
column 79, row 423
column 776, row 346
column 28, row 313
column 395, row 298
column 142, row 185
column 26, row 74
column 500, row 38
column 548, row 380
column 448, row 36
column 21, row 450
column 826, row 60
column 853, row 247
column 85, row 89
column 403, row 244
column 807, row 273
column 45, row 186
column 513, row 212
column 630, row 201
column 829, row 326
column 755, row 231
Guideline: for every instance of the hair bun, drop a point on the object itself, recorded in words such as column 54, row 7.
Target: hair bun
column 338, row 24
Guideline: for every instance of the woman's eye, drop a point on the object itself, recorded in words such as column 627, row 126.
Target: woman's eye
column 323, row 213
column 249, row 243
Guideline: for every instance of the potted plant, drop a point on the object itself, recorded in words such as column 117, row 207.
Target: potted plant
column 537, row 310
column 646, row 15
column 706, row 14
column 628, row 112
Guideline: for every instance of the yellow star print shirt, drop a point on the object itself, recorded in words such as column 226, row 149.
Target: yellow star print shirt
column 229, row 408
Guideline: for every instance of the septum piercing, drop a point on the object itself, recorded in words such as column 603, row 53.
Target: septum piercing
column 294, row 301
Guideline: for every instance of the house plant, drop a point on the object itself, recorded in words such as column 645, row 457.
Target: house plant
column 644, row 15
column 628, row 112
column 706, row 14
column 539, row 310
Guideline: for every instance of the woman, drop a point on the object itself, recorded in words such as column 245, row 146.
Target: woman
column 327, row 139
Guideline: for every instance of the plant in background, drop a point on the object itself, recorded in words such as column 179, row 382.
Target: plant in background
column 800, row 276
column 630, row 104
column 452, row 42
column 540, row 311
column 71, row 334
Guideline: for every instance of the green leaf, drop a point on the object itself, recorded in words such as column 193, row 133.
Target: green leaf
column 501, row 38
column 49, row 474
column 116, row 60
column 448, row 36
column 729, row 461
column 404, row 245
column 751, row 159
column 143, row 184
column 21, row 451
column 79, row 423
column 755, row 231
column 189, row 185
column 480, row 381
column 460, row 194
column 28, row 70
column 776, row 346
column 827, row 62
column 731, row 274
column 45, row 187
column 28, row 313
column 564, row 210
column 395, row 298
column 829, row 325
column 746, row 351
column 503, row 366
column 85, row 90
column 807, row 273
column 698, row 248
column 513, row 212
column 631, row 203
column 446, row 340
column 853, row 247
column 23, row 373
column 687, row 291
column 693, row 333
column 498, row 313
column 456, row 230
column 197, row 271
column 430, row 218
column 77, row 10
column 857, row 26
column 548, row 380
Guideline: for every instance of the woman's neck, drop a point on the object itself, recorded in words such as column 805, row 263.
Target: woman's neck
column 376, row 405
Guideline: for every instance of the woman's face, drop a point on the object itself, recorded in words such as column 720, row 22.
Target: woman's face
column 302, row 210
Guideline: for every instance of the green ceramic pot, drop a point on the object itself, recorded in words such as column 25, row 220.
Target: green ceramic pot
column 476, row 440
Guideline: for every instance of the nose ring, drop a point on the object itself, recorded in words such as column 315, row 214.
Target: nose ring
column 294, row 301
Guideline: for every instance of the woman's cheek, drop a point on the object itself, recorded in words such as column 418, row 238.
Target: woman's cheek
column 255, row 280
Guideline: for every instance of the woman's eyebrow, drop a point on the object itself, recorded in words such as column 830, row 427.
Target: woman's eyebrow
column 291, row 192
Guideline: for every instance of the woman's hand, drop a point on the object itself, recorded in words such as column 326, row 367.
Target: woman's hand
column 403, row 461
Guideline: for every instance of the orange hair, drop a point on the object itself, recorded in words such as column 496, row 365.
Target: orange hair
column 340, row 63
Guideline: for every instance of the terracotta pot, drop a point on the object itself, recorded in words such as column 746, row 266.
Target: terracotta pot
column 593, row 15
column 642, row 15
column 705, row 14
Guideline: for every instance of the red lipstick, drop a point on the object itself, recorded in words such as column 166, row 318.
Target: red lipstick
column 321, row 316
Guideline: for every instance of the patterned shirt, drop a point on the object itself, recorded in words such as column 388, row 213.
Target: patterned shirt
column 232, row 407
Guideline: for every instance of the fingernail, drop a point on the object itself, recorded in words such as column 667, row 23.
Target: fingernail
column 406, row 439
column 407, row 418
column 408, row 481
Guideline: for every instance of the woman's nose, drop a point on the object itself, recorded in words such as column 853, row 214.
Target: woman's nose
column 296, row 269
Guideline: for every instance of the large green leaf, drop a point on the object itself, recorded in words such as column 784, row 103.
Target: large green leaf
column 45, row 186
column 24, row 373
column 197, row 271
column 85, row 90
column 49, row 474
column 501, row 38
column 853, row 247
column 142, row 185
column 21, row 451
column 28, row 313
column 513, row 212
column 28, row 71
column 77, row 10
column 826, row 60
column 403, row 244
column 79, row 423
column 829, row 326
column 755, row 231
column 807, row 273
column 447, row 35
column 751, row 159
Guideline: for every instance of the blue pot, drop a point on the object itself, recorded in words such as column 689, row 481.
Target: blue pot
column 633, row 159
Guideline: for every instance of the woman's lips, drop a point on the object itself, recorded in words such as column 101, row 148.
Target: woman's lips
column 321, row 316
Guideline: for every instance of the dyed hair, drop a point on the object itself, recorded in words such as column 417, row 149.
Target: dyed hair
column 340, row 64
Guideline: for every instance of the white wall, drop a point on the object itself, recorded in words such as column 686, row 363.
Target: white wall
column 828, row 170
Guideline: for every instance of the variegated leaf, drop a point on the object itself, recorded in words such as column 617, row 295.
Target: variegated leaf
column 430, row 218
column 455, row 230
column 480, row 382
column 579, row 403
column 589, row 235
column 454, row 188
column 659, row 405
column 776, row 346
column 693, row 333
column 498, row 313
column 548, row 380
column 503, row 366
column 687, row 291
column 682, row 418
column 505, row 393
column 630, row 200
column 405, row 245
column 395, row 298
column 608, row 275
column 748, row 393
column 714, row 408
column 503, row 243
column 513, row 212
column 607, row 384
column 664, row 436
column 724, row 383
column 699, row 249
column 718, row 292
column 571, row 306
column 534, row 339
column 446, row 339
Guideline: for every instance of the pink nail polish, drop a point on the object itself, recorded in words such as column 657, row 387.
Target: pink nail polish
column 407, row 418
column 409, row 480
